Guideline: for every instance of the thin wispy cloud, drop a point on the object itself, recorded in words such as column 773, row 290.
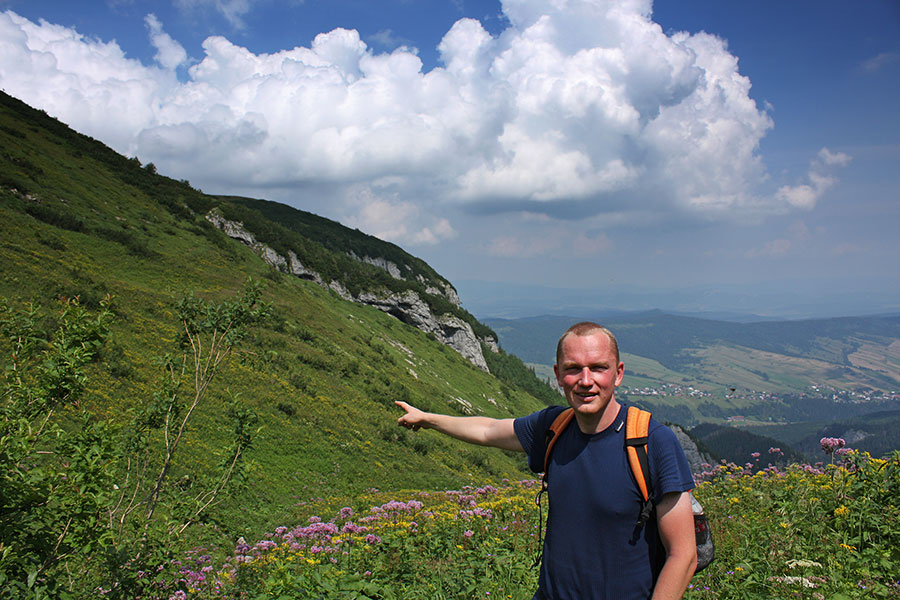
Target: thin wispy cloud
column 880, row 61
column 233, row 11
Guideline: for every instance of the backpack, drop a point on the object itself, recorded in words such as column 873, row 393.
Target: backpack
column 637, row 427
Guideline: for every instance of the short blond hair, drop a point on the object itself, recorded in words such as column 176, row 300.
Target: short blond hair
column 586, row 328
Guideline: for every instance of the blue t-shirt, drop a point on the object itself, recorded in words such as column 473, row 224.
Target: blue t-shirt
column 592, row 548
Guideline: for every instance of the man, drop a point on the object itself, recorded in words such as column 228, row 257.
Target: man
column 593, row 548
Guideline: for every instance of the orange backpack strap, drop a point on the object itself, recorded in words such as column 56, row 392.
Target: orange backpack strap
column 561, row 421
column 637, row 433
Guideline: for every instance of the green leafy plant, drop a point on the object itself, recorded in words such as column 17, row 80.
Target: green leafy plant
column 55, row 486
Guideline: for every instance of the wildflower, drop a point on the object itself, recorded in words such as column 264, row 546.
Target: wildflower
column 846, row 547
column 469, row 533
column 830, row 444
column 841, row 511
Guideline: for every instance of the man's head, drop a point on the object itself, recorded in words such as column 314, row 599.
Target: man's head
column 588, row 371
column 587, row 328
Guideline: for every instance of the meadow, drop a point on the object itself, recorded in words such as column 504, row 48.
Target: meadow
column 805, row 531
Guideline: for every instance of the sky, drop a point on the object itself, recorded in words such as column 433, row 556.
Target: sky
column 546, row 156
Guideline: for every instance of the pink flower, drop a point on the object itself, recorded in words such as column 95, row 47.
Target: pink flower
column 830, row 444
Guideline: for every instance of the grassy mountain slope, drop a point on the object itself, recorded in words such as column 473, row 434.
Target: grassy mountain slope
column 80, row 220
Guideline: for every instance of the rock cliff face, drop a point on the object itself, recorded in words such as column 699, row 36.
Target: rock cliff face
column 407, row 306
column 694, row 456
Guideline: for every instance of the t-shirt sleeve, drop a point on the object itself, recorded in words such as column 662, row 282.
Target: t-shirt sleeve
column 531, row 431
column 668, row 465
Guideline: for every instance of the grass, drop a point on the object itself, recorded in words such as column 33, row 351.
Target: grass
column 805, row 531
column 322, row 375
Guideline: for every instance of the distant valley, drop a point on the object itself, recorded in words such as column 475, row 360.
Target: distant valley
column 789, row 380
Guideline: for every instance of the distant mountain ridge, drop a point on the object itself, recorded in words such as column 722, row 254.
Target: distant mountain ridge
column 690, row 370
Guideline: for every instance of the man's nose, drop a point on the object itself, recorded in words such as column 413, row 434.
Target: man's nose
column 586, row 377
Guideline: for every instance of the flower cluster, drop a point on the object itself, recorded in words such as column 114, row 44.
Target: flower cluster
column 830, row 444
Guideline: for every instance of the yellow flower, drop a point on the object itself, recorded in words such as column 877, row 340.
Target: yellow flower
column 841, row 511
column 733, row 500
column 784, row 525
column 850, row 548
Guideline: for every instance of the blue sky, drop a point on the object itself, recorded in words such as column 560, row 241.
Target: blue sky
column 545, row 156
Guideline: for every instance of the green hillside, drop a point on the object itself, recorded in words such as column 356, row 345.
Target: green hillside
column 317, row 379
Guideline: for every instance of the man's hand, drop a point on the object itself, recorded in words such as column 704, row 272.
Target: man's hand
column 413, row 418
column 483, row 431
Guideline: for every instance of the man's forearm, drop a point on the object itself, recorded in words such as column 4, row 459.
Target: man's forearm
column 674, row 578
column 474, row 430
column 484, row 431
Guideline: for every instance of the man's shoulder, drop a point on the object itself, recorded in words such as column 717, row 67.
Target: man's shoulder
column 545, row 416
column 531, row 431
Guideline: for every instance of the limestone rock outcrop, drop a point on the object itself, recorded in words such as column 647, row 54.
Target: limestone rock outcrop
column 407, row 306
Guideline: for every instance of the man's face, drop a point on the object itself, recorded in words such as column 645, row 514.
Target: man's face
column 588, row 372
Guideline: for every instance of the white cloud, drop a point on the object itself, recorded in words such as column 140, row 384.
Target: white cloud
column 393, row 220
column 583, row 107
column 805, row 196
column 169, row 53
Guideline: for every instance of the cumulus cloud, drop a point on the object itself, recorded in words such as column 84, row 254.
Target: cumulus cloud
column 579, row 107
column 806, row 195
column 169, row 53
column 393, row 219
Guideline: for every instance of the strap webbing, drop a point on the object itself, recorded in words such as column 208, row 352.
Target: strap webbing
column 637, row 428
